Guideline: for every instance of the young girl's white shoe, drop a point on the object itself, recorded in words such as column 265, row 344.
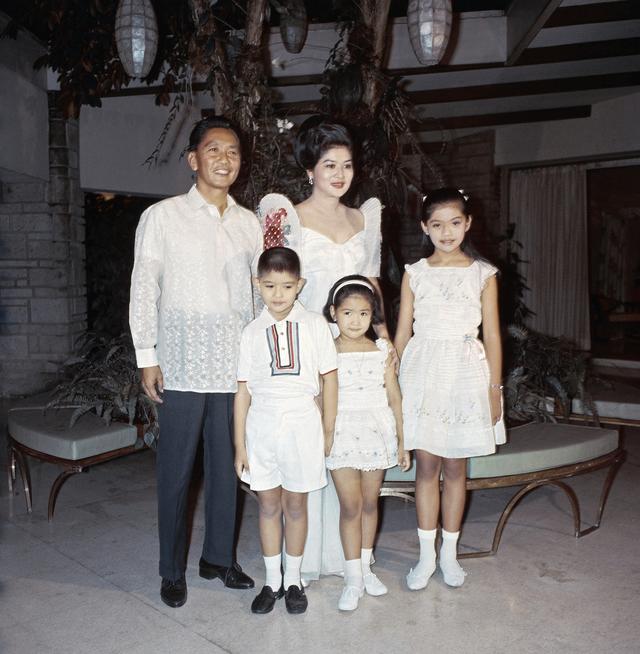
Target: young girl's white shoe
column 350, row 597
column 374, row 586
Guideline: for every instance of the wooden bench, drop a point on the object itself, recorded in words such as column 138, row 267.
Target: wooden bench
column 536, row 455
column 48, row 437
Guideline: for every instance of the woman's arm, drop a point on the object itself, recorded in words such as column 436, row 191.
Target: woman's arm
column 381, row 329
column 404, row 329
column 394, row 398
column 241, row 404
column 492, row 344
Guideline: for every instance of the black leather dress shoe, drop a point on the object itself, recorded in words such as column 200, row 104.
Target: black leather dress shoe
column 232, row 576
column 265, row 600
column 295, row 599
column 173, row 593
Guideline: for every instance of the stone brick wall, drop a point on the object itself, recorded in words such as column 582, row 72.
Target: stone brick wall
column 42, row 272
column 468, row 163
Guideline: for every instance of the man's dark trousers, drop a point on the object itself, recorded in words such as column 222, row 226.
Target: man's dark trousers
column 184, row 418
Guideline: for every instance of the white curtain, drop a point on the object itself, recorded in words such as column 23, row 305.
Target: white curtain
column 549, row 207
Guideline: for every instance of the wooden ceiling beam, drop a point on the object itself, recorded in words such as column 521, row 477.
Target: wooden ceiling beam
column 489, row 91
column 525, row 18
column 533, row 56
column 602, row 12
column 504, row 118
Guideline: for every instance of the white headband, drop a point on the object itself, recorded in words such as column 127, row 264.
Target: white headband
column 352, row 281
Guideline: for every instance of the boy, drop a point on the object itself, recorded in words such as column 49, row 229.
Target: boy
column 279, row 434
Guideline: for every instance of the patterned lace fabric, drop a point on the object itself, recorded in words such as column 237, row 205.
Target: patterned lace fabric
column 191, row 290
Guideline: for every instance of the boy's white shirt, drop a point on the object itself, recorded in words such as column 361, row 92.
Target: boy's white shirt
column 317, row 354
column 191, row 291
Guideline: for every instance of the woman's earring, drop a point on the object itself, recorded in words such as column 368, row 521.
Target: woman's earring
column 310, row 180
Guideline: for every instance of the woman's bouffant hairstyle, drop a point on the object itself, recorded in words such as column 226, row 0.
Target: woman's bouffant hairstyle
column 336, row 298
column 317, row 135
column 211, row 122
column 282, row 260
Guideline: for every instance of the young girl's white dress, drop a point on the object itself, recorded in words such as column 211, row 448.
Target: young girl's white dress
column 324, row 262
column 444, row 375
column 365, row 433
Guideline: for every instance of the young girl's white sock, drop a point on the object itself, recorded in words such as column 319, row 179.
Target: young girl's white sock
column 372, row 584
column 419, row 576
column 353, row 585
column 452, row 573
column 365, row 557
column 292, row 566
column 273, row 564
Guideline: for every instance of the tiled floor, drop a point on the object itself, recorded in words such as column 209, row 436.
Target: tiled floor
column 88, row 583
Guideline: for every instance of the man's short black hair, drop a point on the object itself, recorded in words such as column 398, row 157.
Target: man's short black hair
column 279, row 260
column 211, row 122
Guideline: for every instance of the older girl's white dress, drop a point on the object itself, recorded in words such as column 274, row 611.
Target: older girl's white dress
column 323, row 262
column 444, row 374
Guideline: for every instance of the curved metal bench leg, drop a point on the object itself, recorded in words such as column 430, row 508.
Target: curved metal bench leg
column 511, row 505
column 57, row 485
column 604, row 494
column 11, row 469
column 26, row 477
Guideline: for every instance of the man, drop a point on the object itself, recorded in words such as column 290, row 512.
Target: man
column 190, row 299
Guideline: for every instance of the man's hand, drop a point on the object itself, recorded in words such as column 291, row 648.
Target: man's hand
column 153, row 383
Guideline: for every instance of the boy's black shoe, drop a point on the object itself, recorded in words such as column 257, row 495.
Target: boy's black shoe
column 173, row 593
column 265, row 600
column 295, row 599
column 232, row 576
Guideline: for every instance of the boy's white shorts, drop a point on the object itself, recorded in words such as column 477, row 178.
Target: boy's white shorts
column 285, row 445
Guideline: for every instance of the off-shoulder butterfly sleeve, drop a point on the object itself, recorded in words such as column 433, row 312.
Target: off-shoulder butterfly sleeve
column 280, row 222
column 372, row 212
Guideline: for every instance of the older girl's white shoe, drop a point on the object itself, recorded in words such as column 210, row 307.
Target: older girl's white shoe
column 417, row 579
column 374, row 586
column 350, row 597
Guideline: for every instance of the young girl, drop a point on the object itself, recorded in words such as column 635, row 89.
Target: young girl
column 450, row 382
column 368, row 433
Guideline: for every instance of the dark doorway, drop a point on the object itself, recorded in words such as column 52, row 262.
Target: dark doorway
column 111, row 222
column 614, row 260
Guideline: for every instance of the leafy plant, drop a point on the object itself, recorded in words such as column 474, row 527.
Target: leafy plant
column 103, row 378
column 544, row 374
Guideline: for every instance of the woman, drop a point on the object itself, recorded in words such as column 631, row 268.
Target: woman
column 333, row 241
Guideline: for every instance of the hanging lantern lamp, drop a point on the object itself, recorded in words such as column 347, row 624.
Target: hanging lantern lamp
column 429, row 24
column 136, row 36
column 293, row 25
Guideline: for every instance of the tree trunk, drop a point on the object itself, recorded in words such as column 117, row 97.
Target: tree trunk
column 375, row 15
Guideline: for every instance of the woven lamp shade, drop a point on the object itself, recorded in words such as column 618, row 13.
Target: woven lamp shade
column 136, row 36
column 429, row 24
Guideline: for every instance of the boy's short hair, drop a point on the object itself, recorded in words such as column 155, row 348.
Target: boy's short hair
column 279, row 260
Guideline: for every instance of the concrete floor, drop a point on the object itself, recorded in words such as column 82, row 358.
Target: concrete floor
column 88, row 581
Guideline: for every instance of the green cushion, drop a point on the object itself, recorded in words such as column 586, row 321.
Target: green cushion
column 49, row 433
column 533, row 447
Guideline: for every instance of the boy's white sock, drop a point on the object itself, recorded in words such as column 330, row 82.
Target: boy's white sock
column 365, row 557
column 452, row 573
column 353, row 573
column 273, row 564
column 292, row 566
